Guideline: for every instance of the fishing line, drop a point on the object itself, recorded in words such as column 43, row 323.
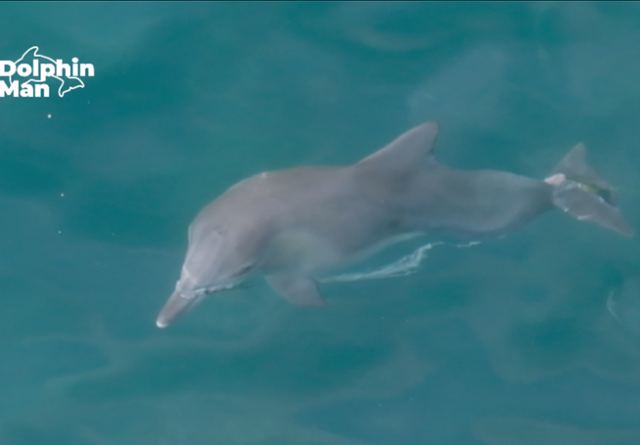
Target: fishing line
column 407, row 265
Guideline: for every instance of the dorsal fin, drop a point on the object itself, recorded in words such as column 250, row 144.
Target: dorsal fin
column 409, row 151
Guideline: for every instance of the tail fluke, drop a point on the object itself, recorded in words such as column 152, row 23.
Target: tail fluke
column 579, row 191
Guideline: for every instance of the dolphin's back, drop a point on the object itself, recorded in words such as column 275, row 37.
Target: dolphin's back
column 438, row 200
column 329, row 204
column 477, row 203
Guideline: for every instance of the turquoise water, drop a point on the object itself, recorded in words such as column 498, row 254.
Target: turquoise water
column 529, row 339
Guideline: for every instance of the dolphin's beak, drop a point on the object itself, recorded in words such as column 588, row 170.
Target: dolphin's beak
column 176, row 306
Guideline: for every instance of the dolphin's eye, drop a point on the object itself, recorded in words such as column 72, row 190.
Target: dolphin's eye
column 244, row 269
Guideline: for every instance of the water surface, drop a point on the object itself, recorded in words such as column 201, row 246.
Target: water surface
column 508, row 342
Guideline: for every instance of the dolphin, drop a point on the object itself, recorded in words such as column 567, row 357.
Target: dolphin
column 291, row 225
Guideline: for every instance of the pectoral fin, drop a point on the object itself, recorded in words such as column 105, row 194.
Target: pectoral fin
column 299, row 290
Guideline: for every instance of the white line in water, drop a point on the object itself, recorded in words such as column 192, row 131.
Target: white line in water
column 406, row 265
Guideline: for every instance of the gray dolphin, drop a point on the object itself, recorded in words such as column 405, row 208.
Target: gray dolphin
column 289, row 225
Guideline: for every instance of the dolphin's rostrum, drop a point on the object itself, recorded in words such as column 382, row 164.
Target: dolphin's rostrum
column 292, row 224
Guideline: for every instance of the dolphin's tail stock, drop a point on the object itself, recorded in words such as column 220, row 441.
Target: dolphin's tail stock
column 579, row 191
